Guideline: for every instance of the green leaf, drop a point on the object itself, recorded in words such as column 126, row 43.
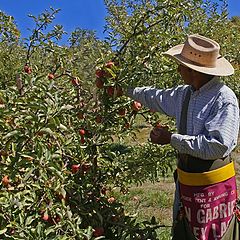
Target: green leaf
column 62, row 127
column 66, row 107
column 57, row 121
column 11, row 134
column 48, row 131
column 28, row 174
column 39, row 229
column 49, row 230
column 2, row 231
column 69, row 214
column 29, row 220
column 21, row 219
column 55, row 171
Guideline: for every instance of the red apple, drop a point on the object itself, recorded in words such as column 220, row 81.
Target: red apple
column 104, row 190
column 109, row 64
column 135, row 198
column 110, row 91
column 45, row 217
column 119, row 91
column 111, row 200
column 82, row 140
column 82, row 132
column 61, row 196
column 5, row 180
column 75, row 81
column 12, row 231
column 98, row 231
column 98, row 119
column 100, row 73
column 136, row 106
column 127, row 125
column 57, row 219
column 99, row 83
column 80, row 115
column 122, row 111
column 27, row 69
column 86, row 167
column 75, row 168
column 51, row 76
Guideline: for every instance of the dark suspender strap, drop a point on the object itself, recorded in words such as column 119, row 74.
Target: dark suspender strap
column 183, row 119
column 187, row 162
column 183, row 158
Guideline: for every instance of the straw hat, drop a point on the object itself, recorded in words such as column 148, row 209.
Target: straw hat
column 201, row 54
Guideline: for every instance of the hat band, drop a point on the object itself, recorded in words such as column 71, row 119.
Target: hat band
column 187, row 60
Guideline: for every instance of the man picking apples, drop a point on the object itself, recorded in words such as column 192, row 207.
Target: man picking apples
column 207, row 119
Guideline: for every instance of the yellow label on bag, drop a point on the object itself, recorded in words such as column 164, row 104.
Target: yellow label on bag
column 206, row 178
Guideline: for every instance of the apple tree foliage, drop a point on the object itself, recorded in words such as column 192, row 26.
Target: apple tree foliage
column 69, row 135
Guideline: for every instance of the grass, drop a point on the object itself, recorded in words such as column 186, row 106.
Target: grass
column 148, row 200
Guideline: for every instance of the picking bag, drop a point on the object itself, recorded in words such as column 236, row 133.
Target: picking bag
column 182, row 230
column 208, row 205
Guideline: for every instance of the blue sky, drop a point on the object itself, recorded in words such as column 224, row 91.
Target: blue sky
column 86, row 14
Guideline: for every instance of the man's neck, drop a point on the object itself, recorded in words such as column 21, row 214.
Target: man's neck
column 200, row 80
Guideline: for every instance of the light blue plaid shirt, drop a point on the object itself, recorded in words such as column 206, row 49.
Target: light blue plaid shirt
column 212, row 119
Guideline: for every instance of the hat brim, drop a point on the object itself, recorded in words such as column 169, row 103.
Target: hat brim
column 222, row 68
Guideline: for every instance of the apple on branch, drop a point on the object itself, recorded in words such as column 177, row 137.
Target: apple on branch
column 136, row 106
column 99, row 83
column 98, row 231
column 75, row 168
column 51, row 76
column 27, row 69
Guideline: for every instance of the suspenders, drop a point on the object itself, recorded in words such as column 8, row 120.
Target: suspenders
column 187, row 162
column 183, row 158
column 183, row 119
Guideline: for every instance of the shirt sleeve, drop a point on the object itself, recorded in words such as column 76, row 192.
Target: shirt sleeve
column 160, row 100
column 220, row 138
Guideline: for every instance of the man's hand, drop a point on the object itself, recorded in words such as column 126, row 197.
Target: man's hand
column 160, row 135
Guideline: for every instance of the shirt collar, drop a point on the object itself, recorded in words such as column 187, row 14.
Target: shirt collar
column 207, row 86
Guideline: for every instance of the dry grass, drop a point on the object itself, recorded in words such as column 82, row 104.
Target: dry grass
column 150, row 200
